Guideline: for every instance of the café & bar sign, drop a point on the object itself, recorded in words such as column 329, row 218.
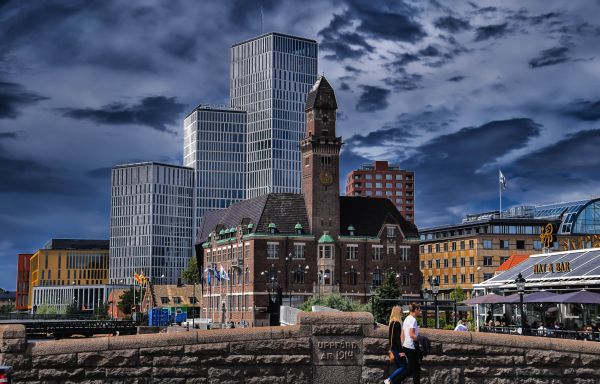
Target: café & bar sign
column 552, row 267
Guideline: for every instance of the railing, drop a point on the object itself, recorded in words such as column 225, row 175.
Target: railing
column 555, row 333
column 62, row 316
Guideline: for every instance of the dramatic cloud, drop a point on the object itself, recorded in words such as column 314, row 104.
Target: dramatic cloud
column 372, row 99
column 491, row 32
column 13, row 97
column 404, row 81
column 456, row 79
column 451, row 24
column 155, row 112
column 550, row 56
column 584, row 110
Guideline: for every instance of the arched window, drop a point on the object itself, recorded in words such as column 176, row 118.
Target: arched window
column 351, row 277
column 377, row 278
column 588, row 220
column 247, row 276
column 299, row 276
column 327, row 277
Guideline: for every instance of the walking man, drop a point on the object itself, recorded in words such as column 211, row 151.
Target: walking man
column 410, row 328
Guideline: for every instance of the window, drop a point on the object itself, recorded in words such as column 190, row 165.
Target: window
column 437, row 247
column 487, row 276
column 388, row 176
column 503, row 259
column 537, row 244
column 164, row 300
column 351, row 277
column 504, row 244
column 299, row 276
column 368, row 176
column 437, row 263
column 520, row 244
column 272, row 250
column 391, row 231
column 377, row 278
column 487, row 244
column 398, row 176
column 388, row 185
column 422, row 264
column 405, row 279
column 399, row 185
column 445, row 279
column 454, row 246
column 430, row 263
column 463, row 279
column 429, row 248
column 298, row 251
column 462, row 245
column 454, row 262
column 488, row 261
column 462, row 261
column 471, row 261
column 472, row 278
column 378, row 193
column 471, row 244
column 378, row 185
column 377, row 253
column 325, row 160
column 351, row 252
column 193, row 300
column 422, row 249
column 378, row 176
column 369, row 185
column 445, row 263
column 325, row 251
column 403, row 253
column 454, row 281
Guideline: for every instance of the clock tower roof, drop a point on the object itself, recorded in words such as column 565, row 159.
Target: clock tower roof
column 321, row 96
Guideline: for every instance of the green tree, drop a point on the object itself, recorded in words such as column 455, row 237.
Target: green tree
column 72, row 310
column 458, row 294
column 6, row 309
column 126, row 300
column 388, row 290
column 335, row 301
column 191, row 274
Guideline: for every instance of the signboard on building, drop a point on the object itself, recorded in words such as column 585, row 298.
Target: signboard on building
column 552, row 267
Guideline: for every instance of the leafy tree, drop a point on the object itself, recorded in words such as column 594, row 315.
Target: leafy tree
column 126, row 300
column 388, row 290
column 458, row 294
column 191, row 274
column 6, row 309
column 72, row 310
column 335, row 301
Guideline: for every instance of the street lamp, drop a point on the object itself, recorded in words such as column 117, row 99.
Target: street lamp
column 520, row 283
column 322, row 276
column 435, row 289
column 297, row 273
column 287, row 277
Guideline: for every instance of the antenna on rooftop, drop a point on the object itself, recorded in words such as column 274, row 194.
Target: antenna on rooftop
column 261, row 20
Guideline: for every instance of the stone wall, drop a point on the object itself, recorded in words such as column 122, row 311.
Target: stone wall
column 324, row 348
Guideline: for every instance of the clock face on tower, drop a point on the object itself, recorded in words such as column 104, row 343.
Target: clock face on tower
column 325, row 178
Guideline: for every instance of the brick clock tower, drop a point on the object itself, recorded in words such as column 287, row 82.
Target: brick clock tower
column 321, row 161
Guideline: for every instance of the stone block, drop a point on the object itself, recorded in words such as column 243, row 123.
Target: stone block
column 151, row 341
column 162, row 351
column 588, row 360
column 496, row 360
column 372, row 375
column 443, row 336
column 506, row 351
column 337, row 329
column 283, row 359
column 266, row 380
column 446, row 360
column 12, row 331
column 170, row 380
column 128, row 372
column 499, row 380
column 295, row 346
column 70, row 346
column 444, row 375
column 462, row 349
column 537, row 372
column 330, row 350
column 120, row 358
column 475, row 371
column 342, row 318
column 229, row 360
column 178, row 371
column 341, row 374
column 95, row 373
column 373, row 345
column 196, row 380
column 55, row 361
column 223, row 373
column 17, row 360
column 175, row 361
column 12, row 345
column 380, row 359
column 21, row 375
column 60, row 374
column 207, row 349
column 581, row 372
column 551, row 358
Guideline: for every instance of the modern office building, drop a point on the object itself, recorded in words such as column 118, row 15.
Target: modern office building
column 85, row 297
column 380, row 179
column 470, row 252
column 68, row 262
column 23, row 265
column 296, row 246
column 270, row 77
column 215, row 148
column 151, row 221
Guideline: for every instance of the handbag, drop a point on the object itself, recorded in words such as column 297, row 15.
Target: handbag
column 391, row 356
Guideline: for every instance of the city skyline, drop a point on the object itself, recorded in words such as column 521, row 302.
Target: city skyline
column 419, row 85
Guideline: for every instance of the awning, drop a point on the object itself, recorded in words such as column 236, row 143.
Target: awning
column 492, row 298
column 579, row 297
column 535, row 297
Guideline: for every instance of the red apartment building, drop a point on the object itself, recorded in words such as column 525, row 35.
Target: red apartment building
column 380, row 179
column 23, row 281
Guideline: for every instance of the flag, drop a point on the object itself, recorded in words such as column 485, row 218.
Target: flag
column 143, row 278
column 502, row 180
column 207, row 270
column 217, row 274
column 137, row 278
column 223, row 273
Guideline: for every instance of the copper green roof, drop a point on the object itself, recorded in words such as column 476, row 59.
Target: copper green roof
column 326, row 238
column 221, row 232
column 298, row 226
column 272, row 225
column 351, row 228
column 250, row 226
column 231, row 230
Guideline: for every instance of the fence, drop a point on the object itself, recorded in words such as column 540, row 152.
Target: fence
column 555, row 333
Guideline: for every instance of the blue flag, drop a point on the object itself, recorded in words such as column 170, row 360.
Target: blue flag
column 207, row 275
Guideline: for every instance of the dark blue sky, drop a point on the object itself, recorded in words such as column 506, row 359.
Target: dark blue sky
column 452, row 90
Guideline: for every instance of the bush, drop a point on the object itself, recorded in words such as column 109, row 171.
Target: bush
column 335, row 301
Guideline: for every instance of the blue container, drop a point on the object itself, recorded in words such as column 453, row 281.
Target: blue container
column 181, row 317
column 158, row 317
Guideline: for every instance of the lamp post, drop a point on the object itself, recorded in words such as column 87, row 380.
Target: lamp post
column 321, row 276
column 435, row 289
column 287, row 277
column 520, row 283
column 297, row 273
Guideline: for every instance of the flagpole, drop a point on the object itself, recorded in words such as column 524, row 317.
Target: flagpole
column 500, row 190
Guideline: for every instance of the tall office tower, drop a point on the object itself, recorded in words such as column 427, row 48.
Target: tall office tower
column 270, row 77
column 215, row 147
column 151, row 221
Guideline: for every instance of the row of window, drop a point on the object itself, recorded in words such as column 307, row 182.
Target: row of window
column 488, row 261
column 486, row 244
column 379, row 176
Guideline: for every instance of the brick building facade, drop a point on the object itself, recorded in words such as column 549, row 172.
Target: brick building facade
column 288, row 247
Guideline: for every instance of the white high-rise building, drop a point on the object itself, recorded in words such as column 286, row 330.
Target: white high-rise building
column 214, row 145
column 270, row 77
column 151, row 222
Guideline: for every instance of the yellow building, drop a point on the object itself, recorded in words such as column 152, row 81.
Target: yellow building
column 68, row 262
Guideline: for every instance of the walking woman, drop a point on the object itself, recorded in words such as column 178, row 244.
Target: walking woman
column 396, row 337
column 410, row 333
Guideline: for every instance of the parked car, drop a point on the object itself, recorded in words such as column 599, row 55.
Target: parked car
column 5, row 373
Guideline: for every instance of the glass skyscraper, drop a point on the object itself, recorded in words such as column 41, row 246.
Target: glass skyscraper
column 215, row 147
column 270, row 77
column 150, row 222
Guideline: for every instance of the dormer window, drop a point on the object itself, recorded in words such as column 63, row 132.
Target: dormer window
column 391, row 231
column 298, row 229
column 351, row 230
column 272, row 228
